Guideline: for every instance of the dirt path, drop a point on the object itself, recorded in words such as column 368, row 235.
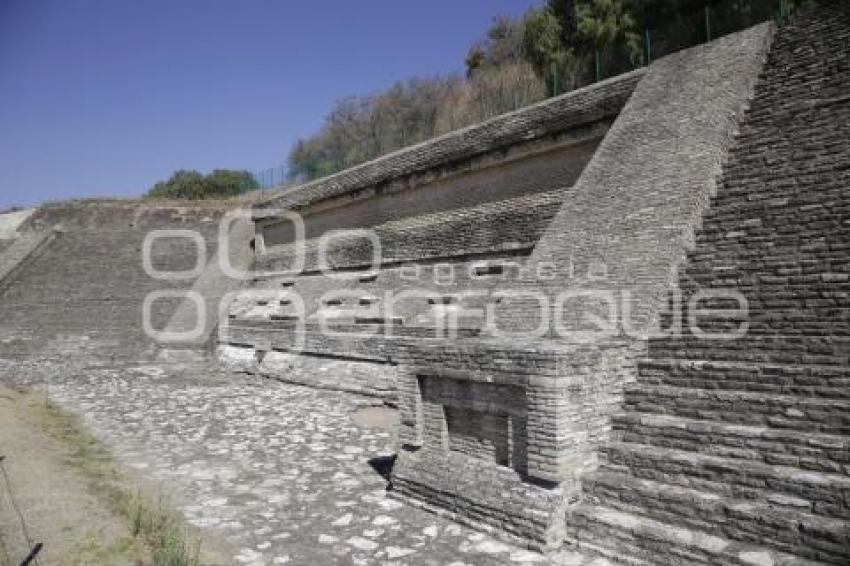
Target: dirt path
column 75, row 525
column 60, row 486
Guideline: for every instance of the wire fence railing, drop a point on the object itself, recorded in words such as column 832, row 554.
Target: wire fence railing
column 17, row 547
column 271, row 177
column 639, row 48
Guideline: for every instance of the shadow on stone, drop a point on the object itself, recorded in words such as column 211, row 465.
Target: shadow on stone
column 383, row 465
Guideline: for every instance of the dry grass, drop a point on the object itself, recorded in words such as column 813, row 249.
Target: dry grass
column 153, row 524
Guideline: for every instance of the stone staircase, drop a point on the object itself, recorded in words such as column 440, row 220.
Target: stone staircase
column 89, row 284
column 738, row 451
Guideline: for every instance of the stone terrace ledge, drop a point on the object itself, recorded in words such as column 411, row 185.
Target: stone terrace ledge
column 594, row 103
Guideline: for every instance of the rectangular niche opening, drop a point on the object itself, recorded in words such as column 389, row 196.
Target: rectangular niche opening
column 492, row 269
column 484, row 421
column 481, row 435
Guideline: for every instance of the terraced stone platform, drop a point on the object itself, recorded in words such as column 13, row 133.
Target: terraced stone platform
column 712, row 185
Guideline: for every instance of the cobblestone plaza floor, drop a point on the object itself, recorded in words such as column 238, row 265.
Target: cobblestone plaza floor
column 272, row 473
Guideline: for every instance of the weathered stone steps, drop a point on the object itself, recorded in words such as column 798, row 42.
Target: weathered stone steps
column 783, row 349
column 768, row 278
column 646, row 541
column 792, row 531
column 808, row 451
column 731, row 208
column 811, row 380
column 820, row 414
column 723, row 234
column 103, row 283
column 766, row 281
column 747, row 439
column 809, row 491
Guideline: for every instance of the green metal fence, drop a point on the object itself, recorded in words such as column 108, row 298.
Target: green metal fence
column 713, row 20
column 270, row 178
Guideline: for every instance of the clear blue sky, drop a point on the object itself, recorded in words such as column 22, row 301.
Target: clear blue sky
column 105, row 97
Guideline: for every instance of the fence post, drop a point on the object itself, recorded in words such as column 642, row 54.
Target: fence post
column 598, row 69
column 553, row 71
column 707, row 22
column 555, row 78
column 648, row 48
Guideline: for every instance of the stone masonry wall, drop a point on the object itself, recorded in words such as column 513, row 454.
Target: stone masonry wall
column 497, row 430
column 634, row 209
column 737, row 450
column 495, row 177
column 457, row 204
column 507, row 225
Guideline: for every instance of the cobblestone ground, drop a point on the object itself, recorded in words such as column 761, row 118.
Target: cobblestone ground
column 272, row 473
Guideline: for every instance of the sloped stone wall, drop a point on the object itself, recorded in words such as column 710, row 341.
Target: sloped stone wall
column 10, row 222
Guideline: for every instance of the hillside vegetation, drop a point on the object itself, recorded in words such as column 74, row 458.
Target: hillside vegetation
column 193, row 185
column 551, row 49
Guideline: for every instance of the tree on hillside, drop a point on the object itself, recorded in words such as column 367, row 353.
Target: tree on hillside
column 490, row 92
column 551, row 49
column 358, row 129
column 552, row 46
column 193, row 185
column 229, row 182
column 604, row 22
column 504, row 43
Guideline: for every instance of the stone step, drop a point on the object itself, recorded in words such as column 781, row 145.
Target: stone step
column 614, row 534
column 808, row 491
column 721, row 331
column 788, row 530
column 764, row 274
column 724, row 232
column 810, row 414
column 730, row 211
column 808, row 380
column 804, row 450
column 795, row 314
column 782, row 349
